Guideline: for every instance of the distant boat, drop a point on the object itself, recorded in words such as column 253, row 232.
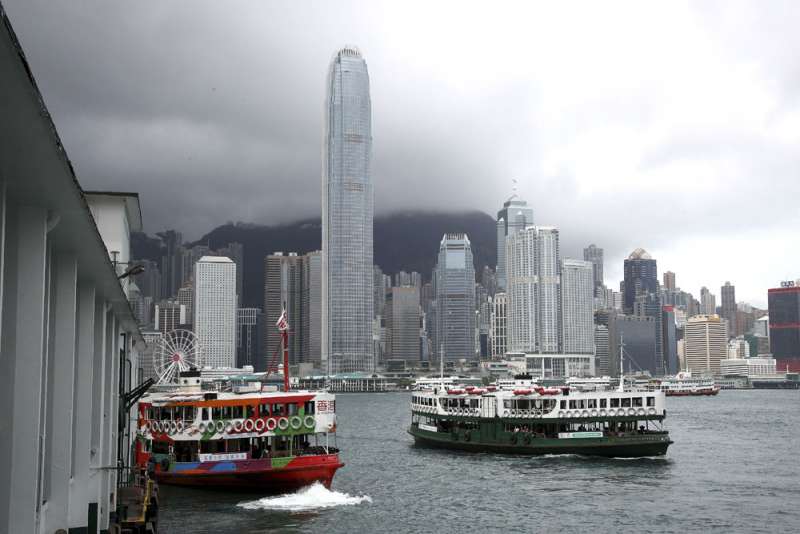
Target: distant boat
column 684, row 384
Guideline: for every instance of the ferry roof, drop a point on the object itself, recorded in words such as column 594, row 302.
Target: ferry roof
column 228, row 398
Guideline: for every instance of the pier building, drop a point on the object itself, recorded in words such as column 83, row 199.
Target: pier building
column 67, row 332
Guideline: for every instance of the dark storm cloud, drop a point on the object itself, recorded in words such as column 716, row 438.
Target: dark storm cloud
column 668, row 127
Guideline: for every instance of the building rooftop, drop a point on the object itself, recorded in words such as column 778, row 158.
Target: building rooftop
column 215, row 259
column 640, row 254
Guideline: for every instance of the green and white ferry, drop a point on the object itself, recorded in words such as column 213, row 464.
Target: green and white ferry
column 538, row 420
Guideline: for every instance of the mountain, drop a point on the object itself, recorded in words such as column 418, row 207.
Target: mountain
column 405, row 241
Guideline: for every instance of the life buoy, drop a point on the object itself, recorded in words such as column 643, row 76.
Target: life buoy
column 259, row 425
column 651, row 411
column 283, row 423
column 202, row 428
column 309, row 421
column 631, row 411
column 249, row 425
column 296, row 422
column 585, row 413
column 602, row 413
column 172, row 427
column 179, row 427
column 238, row 425
column 271, row 424
column 228, row 426
column 594, row 413
column 640, row 411
column 220, row 426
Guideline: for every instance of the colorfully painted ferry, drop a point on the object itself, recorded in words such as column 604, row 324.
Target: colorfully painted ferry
column 246, row 436
column 539, row 420
column 684, row 384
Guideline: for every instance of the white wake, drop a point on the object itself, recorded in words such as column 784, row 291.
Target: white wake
column 313, row 497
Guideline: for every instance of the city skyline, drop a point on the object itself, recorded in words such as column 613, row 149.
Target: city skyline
column 594, row 158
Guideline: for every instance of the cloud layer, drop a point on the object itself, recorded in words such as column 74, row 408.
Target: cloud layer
column 674, row 127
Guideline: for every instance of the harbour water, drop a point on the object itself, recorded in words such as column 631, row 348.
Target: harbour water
column 734, row 466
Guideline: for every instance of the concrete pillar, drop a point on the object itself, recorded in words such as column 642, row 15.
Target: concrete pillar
column 28, row 353
column 108, row 421
column 82, row 409
column 98, row 387
column 8, row 315
column 58, row 469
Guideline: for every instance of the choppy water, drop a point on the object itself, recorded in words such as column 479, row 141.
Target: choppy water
column 734, row 467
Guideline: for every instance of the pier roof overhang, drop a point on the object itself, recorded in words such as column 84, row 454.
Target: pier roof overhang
column 38, row 172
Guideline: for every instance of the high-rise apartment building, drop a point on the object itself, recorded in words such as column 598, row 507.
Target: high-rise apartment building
column 784, row 325
column 402, row 324
column 602, row 353
column 250, row 339
column 728, row 304
column 515, row 216
column 171, row 273
column 215, row 310
column 577, row 313
column 532, row 272
column 185, row 296
column 283, row 290
column 594, row 254
column 347, row 210
column 235, row 251
column 455, row 298
column 498, row 326
column 705, row 343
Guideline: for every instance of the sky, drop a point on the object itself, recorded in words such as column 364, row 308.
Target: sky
column 670, row 126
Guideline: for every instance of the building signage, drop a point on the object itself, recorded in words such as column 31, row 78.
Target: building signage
column 223, row 457
column 568, row 435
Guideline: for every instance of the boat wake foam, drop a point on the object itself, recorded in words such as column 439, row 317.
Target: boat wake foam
column 313, row 497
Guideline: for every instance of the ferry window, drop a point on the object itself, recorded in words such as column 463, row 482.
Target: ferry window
column 292, row 409
column 278, row 409
column 637, row 402
column 216, row 413
column 507, row 404
column 603, row 403
column 615, row 403
column 651, row 401
column 160, row 447
column 309, row 408
column 573, row 404
column 237, row 412
column 563, row 404
column 626, row 403
column 592, row 403
column 582, row 403
column 205, row 413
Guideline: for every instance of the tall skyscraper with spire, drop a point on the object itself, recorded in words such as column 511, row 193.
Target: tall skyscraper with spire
column 347, row 209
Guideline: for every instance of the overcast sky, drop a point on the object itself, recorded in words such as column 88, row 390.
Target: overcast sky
column 668, row 126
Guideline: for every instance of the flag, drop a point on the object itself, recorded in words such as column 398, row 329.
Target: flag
column 282, row 323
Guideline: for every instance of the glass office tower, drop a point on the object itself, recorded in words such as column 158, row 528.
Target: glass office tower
column 347, row 207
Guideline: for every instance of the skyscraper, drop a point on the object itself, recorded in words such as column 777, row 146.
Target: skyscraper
column 347, row 208
column 784, row 325
column 728, row 302
column 402, row 324
column 532, row 272
column 669, row 280
column 215, row 310
column 283, row 290
column 577, row 317
column 594, row 254
column 705, row 343
column 455, row 298
column 498, row 331
column 250, row 338
column 312, row 306
column 641, row 276
column 708, row 302
column 514, row 216
column 169, row 315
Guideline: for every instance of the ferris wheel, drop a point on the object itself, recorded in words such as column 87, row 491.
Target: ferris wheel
column 176, row 351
